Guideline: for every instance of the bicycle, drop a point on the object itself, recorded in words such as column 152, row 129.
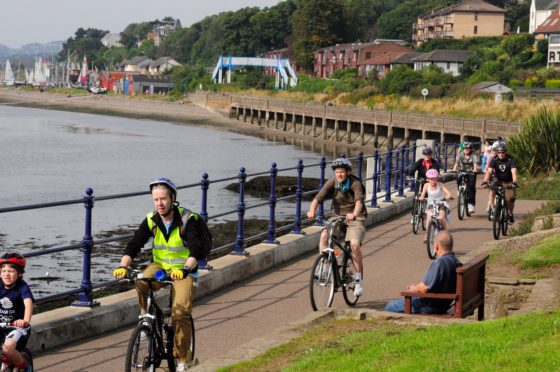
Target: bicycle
column 462, row 202
column 418, row 208
column 6, row 365
column 434, row 226
column 500, row 213
column 332, row 270
column 152, row 339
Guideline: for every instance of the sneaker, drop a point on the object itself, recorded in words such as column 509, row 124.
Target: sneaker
column 471, row 208
column 181, row 367
column 358, row 289
column 511, row 220
column 412, row 221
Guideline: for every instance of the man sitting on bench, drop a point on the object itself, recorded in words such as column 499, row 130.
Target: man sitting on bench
column 440, row 278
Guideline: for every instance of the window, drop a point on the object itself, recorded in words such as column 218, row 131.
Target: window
column 475, row 30
column 449, row 65
column 476, row 16
column 368, row 55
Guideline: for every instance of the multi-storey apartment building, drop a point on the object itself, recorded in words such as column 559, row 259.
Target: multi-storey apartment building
column 339, row 56
column 466, row 19
column 539, row 11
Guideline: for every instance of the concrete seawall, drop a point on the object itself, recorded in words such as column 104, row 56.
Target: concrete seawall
column 70, row 324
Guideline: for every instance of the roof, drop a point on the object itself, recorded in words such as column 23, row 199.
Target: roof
column 383, row 59
column 546, row 4
column 407, row 58
column 470, row 6
column 353, row 46
column 141, row 78
column 440, row 55
column 163, row 60
column 145, row 62
column 133, row 61
column 551, row 24
column 491, row 87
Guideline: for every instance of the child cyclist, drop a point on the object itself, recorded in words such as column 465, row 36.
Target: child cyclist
column 16, row 308
column 435, row 191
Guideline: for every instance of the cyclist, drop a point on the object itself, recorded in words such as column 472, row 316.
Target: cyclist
column 16, row 308
column 348, row 201
column 467, row 161
column 175, row 249
column 435, row 191
column 486, row 151
column 505, row 172
column 422, row 166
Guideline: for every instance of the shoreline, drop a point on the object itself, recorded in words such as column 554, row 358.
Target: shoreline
column 179, row 112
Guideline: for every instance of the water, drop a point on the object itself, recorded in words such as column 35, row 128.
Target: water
column 51, row 156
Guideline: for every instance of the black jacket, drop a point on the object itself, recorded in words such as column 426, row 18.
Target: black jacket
column 192, row 235
column 422, row 169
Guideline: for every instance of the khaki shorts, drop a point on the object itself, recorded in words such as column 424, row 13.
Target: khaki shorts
column 356, row 230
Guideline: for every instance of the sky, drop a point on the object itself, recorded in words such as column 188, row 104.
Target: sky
column 41, row 21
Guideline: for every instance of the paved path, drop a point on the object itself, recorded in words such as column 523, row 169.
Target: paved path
column 393, row 258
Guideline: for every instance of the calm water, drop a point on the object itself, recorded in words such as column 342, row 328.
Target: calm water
column 52, row 156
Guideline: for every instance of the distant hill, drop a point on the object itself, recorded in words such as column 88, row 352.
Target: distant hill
column 33, row 49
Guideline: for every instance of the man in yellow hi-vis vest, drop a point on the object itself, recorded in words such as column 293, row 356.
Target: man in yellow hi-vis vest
column 170, row 254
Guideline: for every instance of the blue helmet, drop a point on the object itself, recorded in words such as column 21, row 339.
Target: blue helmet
column 427, row 151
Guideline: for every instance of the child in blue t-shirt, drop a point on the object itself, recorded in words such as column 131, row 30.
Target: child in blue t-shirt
column 16, row 308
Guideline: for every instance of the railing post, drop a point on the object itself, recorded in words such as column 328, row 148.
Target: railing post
column 388, row 175
column 271, row 238
column 297, row 226
column 204, row 185
column 438, row 155
column 380, row 165
column 445, row 160
column 85, row 298
column 401, row 173
column 412, row 184
column 240, row 241
column 320, row 209
column 360, row 162
column 375, row 179
column 397, row 170
column 406, row 164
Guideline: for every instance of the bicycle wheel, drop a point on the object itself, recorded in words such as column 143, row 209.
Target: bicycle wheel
column 26, row 354
column 462, row 205
column 505, row 218
column 423, row 215
column 497, row 220
column 430, row 242
column 347, row 279
column 415, row 217
column 140, row 351
column 466, row 205
column 321, row 285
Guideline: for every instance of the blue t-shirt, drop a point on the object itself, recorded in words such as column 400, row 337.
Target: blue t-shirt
column 11, row 301
column 442, row 278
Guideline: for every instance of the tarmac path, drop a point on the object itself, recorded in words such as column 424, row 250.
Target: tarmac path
column 393, row 258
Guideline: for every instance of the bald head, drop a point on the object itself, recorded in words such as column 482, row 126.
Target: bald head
column 445, row 241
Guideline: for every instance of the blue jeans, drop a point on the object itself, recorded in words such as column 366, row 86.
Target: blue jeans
column 418, row 307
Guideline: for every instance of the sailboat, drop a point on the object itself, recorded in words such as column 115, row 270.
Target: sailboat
column 8, row 74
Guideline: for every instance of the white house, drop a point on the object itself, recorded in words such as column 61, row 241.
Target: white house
column 449, row 61
column 541, row 10
column 111, row 40
column 162, row 64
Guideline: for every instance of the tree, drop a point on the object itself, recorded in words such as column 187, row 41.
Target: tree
column 316, row 24
column 84, row 43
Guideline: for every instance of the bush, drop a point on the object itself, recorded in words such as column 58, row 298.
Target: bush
column 515, row 83
column 531, row 82
column 552, row 84
column 536, row 147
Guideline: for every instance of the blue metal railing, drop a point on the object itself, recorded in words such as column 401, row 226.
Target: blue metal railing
column 395, row 162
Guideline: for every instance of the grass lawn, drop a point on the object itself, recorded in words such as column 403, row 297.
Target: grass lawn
column 520, row 343
column 544, row 254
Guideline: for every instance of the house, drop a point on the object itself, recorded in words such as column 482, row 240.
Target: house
column 448, row 60
column 339, row 56
column 111, row 40
column 540, row 11
column 375, row 60
column 162, row 64
column 492, row 87
column 406, row 59
column 162, row 31
column 132, row 65
column 466, row 19
column 149, row 84
column 550, row 29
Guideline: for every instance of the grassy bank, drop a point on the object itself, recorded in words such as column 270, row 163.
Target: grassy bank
column 521, row 343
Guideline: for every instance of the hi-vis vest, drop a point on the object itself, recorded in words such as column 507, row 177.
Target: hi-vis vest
column 170, row 254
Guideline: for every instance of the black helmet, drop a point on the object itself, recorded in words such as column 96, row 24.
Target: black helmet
column 468, row 145
column 341, row 163
column 427, row 151
column 165, row 182
column 502, row 146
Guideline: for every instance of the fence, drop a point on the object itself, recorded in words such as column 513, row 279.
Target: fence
column 388, row 178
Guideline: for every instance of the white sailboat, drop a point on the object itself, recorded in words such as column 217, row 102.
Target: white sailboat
column 8, row 74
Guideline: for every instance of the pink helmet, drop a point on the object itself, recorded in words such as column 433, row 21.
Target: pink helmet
column 432, row 173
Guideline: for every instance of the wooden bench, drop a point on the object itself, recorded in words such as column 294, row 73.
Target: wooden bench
column 468, row 296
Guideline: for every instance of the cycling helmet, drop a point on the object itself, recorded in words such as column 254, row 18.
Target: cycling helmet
column 427, row 151
column 468, row 145
column 165, row 182
column 341, row 163
column 13, row 258
column 432, row 173
column 502, row 146
column 496, row 144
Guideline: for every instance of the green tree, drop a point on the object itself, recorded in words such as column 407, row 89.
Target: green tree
column 316, row 24
column 84, row 43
